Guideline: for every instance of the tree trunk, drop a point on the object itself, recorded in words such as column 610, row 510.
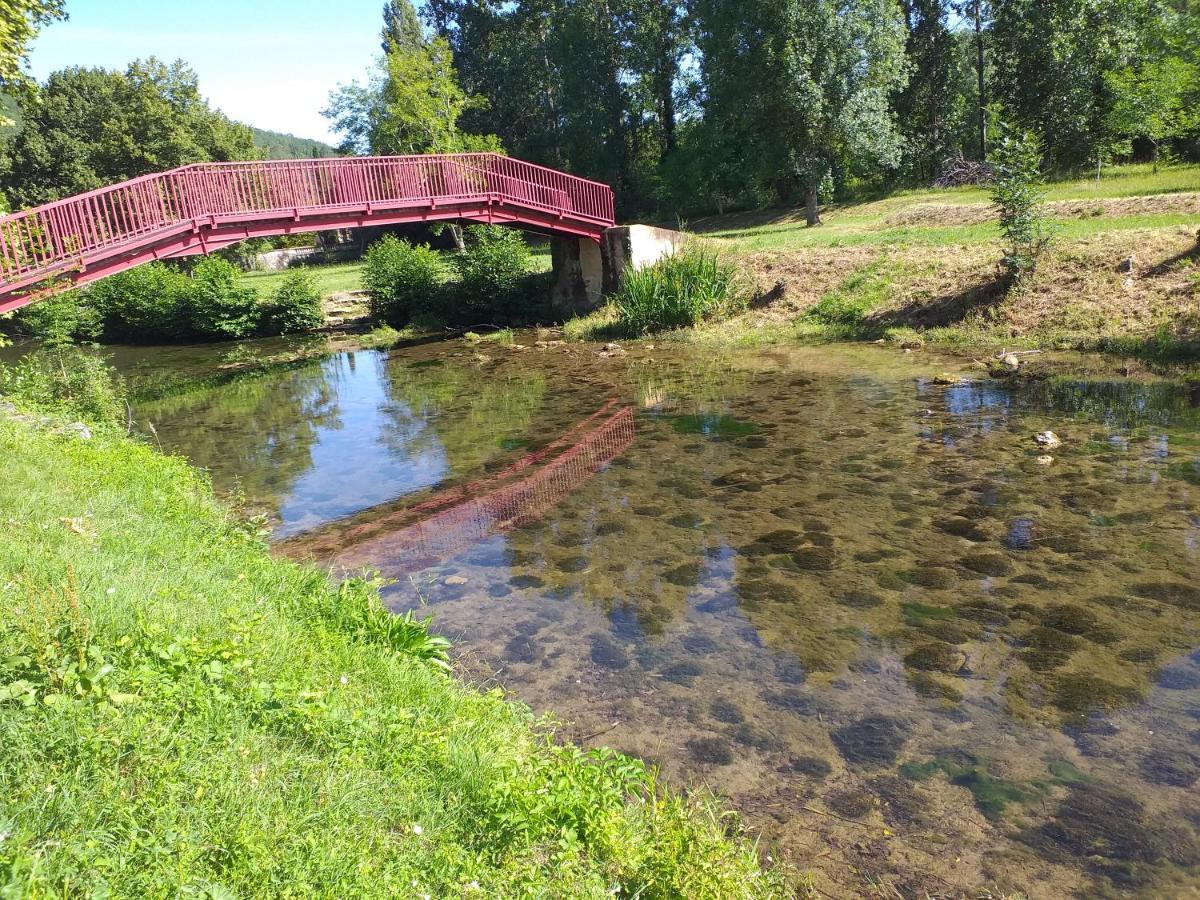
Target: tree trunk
column 980, row 62
column 812, row 208
column 456, row 232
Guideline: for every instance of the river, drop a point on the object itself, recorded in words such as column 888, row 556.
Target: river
column 910, row 648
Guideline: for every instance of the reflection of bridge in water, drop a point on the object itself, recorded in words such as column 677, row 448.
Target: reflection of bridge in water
column 413, row 538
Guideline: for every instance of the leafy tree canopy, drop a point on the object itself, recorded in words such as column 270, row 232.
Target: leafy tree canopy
column 86, row 128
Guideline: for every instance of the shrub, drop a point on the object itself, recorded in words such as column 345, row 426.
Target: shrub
column 402, row 280
column 494, row 278
column 147, row 304
column 296, row 305
column 1018, row 194
column 69, row 381
column 679, row 291
column 58, row 320
column 219, row 308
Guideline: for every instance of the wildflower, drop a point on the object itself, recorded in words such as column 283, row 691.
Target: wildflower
column 345, row 680
column 417, row 829
column 111, row 591
column 4, row 836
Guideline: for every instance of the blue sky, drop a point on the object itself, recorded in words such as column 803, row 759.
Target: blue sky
column 269, row 63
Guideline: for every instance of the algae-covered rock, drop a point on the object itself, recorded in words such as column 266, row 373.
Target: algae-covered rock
column 871, row 742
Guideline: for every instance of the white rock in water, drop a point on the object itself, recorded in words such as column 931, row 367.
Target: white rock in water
column 1012, row 360
column 1045, row 460
column 1048, row 439
column 456, row 580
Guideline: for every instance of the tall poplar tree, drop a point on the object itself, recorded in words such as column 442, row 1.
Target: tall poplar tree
column 401, row 27
column 802, row 89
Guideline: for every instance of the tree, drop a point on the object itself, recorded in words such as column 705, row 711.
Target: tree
column 803, row 87
column 932, row 108
column 1051, row 58
column 422, row 103
column 401, row 27
column 1018, row 195
column 87, row 128
column 20, row 22
column 979, row 14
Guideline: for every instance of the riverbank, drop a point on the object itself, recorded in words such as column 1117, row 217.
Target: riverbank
column 184, row 713
column 922, row 267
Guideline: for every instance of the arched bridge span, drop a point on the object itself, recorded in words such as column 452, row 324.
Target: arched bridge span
column 204, row 207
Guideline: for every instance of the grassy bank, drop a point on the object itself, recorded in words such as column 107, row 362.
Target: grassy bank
column 336, row 278
column 183, row 715
column 1123, row 275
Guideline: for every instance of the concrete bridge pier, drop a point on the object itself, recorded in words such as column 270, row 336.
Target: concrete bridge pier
column 585, row 272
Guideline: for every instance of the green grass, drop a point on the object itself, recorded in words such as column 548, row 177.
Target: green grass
column 1137, row 180
column 868, row 223
column 332, row 279
column 182, row 714
column 855, row 231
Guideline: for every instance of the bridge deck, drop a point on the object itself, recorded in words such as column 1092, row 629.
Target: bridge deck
column 204, row 207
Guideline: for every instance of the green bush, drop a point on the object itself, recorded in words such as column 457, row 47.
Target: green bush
column 402, row 281
column 677, row 292
column 494, row 279
column 68, row 381
column 296, row 305
column 58, row 320
column 1017, row 192
column 219, row 308
column 148, row 304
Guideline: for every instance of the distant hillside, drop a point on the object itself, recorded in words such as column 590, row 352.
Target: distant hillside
column 288, row 146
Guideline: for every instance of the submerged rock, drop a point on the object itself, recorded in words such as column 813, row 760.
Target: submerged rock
column 1186, row 596
column 815, row 559
column 931, row 577
column 1179, row 678
column 1080, row 693
column 713, row 751
column 990, row 564
column 872, row 742
column 1069, row 618
column 963, row 528
column 522, row 649
column 608, row 653
column 1100, row 824
column 936, row 658
column 850, row 803
column 783, row 540
column 860, row 600
column 808, row 766
column 725, row 710
column 522, row 582
column 1170, row 766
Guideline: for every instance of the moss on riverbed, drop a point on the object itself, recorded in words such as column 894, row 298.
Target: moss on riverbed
column 182, row 713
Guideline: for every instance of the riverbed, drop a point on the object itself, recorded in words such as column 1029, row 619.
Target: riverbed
column 843, row 586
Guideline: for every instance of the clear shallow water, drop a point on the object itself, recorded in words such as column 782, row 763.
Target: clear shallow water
column 851, row 599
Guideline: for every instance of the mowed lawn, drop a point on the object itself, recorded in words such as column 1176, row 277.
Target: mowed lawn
column 1128, row 197
column 331, row 279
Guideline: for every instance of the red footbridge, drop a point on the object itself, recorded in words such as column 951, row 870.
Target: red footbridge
column 204, row 207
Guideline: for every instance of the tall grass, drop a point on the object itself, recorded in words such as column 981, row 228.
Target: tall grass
column 681, row 290
column 181, row 714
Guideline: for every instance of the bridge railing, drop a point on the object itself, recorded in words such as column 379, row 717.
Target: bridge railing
column 48, row 239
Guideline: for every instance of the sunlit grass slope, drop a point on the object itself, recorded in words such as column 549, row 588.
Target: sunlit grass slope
column 183, row 715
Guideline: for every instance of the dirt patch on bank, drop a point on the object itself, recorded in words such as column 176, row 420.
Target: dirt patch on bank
column 1132, row 281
